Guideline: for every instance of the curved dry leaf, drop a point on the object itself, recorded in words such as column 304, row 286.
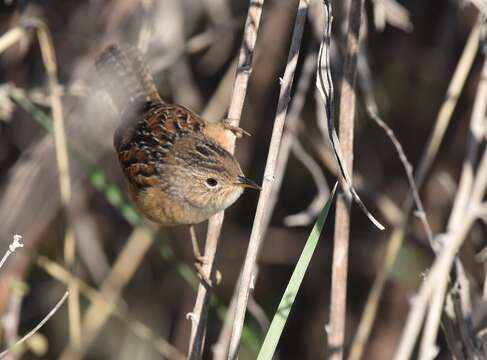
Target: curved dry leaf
column 324, row 84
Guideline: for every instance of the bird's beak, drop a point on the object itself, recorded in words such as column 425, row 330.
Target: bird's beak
column 246, row 182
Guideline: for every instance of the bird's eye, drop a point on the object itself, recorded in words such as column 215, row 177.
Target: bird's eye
column 211, row 183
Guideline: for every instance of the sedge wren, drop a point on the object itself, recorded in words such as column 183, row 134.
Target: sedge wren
column 177, row 165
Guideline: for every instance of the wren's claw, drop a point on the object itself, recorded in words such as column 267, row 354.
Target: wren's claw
column 199, row 261
column 237, row 131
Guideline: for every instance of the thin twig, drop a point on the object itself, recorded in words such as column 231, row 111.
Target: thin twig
column 38, row 326
column 308, row 215
column 372, row 109
column 258, row 314
column 420, row 213
column 395, row 240
column 11, row 248
column 243, row 72
column 49, row 60
column 256, row 235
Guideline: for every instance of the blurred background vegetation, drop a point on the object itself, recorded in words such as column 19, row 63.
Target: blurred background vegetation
column 191, row 46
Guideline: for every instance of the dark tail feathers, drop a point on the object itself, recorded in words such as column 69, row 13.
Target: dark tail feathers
column 126, row 77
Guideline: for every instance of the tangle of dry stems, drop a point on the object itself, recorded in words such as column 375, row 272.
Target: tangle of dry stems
column 16, row 243
column 50, row 65
column 467, row 202
column 256, row 237
column 244, row 69
column 395, row 240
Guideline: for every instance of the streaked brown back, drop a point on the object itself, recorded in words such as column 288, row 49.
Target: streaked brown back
column 143, row 142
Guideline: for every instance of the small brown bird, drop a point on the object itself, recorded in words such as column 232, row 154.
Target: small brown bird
column 177, row 165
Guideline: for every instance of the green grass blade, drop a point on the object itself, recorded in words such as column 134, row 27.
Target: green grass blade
column 277, row 325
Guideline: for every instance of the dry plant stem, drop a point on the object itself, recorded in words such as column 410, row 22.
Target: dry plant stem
column 451, row 99
column 220, row 349
column 290, row 132
column 58, row 272
column 460, row 297
column 395, row 241
column 464, row 204
column 49, row 60
column 10, row 321
column 38, row 326
column 477, row 132
column 218, row 104
column 430, row 285
column 336, row 330
column 256, row 236
column 451, row 336
column 338, row 300
column 90, row 249
column 414, row 322
column 199, row 317
column 434, row 286
column 434, row 283
column 324, row 84
column 284, row 150
column 194, row 44
column 481, row 5
column 244, row 67
column 122, row 271
column 11, row 37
